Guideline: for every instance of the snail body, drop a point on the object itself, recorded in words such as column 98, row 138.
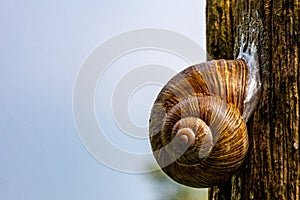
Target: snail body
column 197, row 125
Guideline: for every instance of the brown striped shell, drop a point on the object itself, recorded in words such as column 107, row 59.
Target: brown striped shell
column 197, row 132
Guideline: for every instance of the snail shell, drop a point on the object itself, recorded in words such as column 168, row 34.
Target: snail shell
column 197, row 132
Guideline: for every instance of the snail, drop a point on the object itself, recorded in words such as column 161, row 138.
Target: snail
column 197, row 125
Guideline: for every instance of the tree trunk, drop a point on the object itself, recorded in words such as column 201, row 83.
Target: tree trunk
column 272, row 168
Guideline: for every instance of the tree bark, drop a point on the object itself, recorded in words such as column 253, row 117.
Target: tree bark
column 272, row 168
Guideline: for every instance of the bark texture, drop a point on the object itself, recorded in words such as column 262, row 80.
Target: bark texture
column 272, row 168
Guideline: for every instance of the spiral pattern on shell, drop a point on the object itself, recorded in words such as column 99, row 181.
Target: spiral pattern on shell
column 197, row 132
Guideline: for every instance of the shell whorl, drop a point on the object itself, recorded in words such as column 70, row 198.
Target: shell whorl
column 197, row 134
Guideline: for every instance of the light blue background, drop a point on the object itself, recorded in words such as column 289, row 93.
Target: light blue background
column 43, row 44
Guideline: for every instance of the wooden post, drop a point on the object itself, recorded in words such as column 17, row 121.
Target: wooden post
column 272, row 168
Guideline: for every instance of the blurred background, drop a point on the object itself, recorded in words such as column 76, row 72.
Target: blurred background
column 43, row 47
